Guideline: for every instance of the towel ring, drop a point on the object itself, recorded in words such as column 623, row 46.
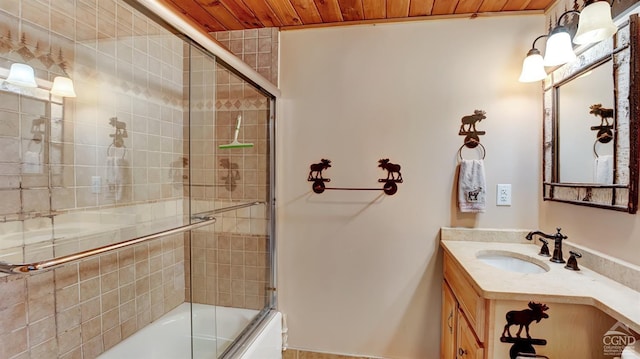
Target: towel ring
column 124, row 152
column 604, row 138
column 37, row 142
column 484, row 151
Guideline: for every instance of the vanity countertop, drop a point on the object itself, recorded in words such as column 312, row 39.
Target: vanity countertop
column 557, row 285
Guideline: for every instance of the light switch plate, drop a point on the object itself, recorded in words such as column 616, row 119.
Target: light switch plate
column 503, row 195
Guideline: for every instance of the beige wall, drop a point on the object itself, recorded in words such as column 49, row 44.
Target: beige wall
column 359, row 272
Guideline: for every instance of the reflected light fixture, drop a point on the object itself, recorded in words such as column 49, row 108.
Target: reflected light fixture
column 533, row 64
column 22, row 75
column 559, row 48
column 595, row 23
column 62, row 86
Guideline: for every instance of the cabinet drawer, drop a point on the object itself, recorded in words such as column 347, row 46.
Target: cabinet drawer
column 473, row 305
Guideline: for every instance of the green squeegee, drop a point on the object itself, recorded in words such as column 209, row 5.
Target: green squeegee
column 235, row 143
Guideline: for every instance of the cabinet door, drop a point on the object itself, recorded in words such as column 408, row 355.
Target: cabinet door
column 449, row 318
column 468, row 347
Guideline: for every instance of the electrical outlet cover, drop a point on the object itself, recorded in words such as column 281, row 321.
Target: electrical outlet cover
column 503, row 195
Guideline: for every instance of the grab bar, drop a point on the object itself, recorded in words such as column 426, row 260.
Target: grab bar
column 42, row 265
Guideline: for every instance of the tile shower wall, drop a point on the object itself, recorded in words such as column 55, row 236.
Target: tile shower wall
column 256, row 47
column 124, row 67
column 229, row 269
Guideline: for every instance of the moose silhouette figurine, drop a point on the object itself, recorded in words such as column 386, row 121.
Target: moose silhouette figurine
column 393, row 171
column 317, row 168
column 523, row 318
column 604, row 113
column 470, row 122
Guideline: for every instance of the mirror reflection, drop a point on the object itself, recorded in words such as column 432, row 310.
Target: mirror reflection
column 591, row 114
column 586, row 136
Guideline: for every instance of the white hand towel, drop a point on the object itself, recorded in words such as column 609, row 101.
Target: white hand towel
column 115, row 176
column 603, row 169
column 32, row 162
column 471, row 186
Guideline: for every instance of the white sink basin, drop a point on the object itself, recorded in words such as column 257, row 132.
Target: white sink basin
column 512, row 262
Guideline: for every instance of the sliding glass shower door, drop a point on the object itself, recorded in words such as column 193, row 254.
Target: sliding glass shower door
column 229, row 177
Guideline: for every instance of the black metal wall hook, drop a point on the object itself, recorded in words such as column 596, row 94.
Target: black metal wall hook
column 390, row 187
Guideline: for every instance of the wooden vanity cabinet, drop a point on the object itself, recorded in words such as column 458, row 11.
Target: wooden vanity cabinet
column 449, row 323
column 463, row 316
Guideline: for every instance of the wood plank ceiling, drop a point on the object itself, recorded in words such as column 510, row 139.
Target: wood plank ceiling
column 223, row 15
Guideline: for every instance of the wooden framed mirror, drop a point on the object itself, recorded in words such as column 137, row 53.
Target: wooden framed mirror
column 591, row 113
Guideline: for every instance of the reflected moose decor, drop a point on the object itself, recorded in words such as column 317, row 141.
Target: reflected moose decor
column 605, row 133
column 523, row 318
column 618, row 58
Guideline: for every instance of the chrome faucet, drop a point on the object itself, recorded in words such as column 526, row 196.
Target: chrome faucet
column 557, row 249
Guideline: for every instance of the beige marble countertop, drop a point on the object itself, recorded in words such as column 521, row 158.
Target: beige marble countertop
column 557, row 285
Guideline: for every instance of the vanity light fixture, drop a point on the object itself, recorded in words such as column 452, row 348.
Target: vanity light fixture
column 22, row 75
column 63, row 87
column 595, row 23
column 533, row 64
column 559, row 49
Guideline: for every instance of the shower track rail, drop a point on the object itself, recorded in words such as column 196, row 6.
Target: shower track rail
column 206, row 218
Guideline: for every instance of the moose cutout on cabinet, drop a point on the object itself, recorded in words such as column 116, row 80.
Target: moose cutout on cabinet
column 523, row 319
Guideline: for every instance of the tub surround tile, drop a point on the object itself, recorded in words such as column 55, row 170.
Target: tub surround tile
column 560, row 285
column 231, row 269
column 91, row 314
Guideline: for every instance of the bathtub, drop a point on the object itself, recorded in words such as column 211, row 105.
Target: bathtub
column 169, row 337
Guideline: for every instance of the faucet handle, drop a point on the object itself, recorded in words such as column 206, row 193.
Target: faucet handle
column 544, row 250
column 572, row 263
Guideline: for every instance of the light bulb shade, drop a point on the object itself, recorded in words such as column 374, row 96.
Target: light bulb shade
column 533, row 67
column 22, row 75
column 559, row 49
column 63, row 86
column 595, row 24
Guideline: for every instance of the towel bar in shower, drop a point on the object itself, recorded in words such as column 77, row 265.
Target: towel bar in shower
column 206, row 214
column 50, row 263
column 205, row 217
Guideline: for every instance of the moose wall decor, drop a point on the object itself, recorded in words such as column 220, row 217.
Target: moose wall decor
column 605, row 129
column 523, row 319
column 468, row 128
column 390, row 182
